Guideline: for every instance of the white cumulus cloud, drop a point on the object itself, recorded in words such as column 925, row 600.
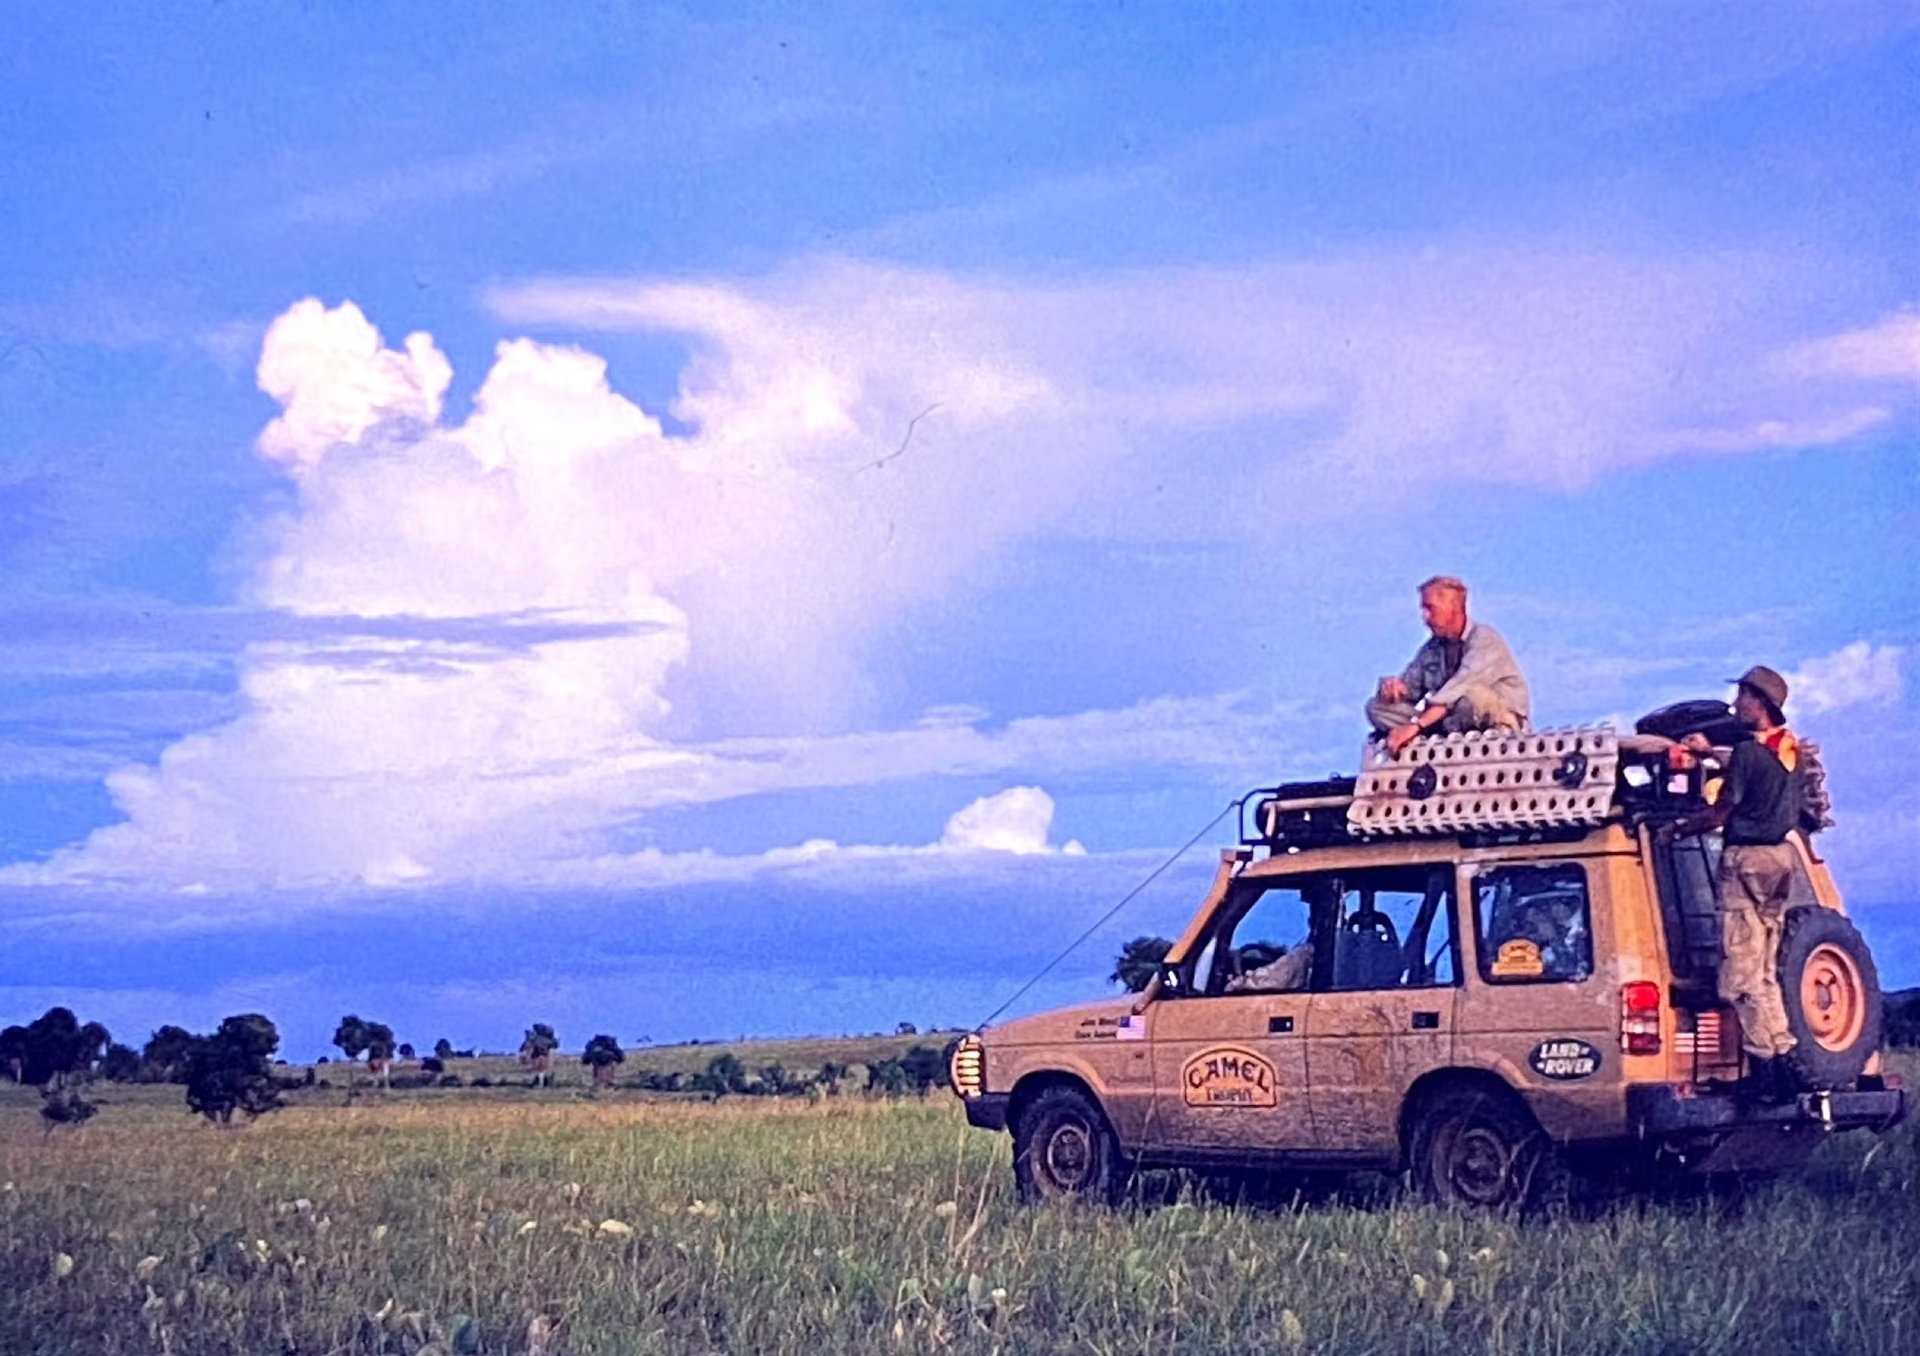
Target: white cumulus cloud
column 1017, row 820
column 863, row 439
column 1860, row 674
column 336, row 381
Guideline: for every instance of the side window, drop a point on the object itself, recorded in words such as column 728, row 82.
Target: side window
column 1393, row 930
column 1534, row 924
column 1268, row 948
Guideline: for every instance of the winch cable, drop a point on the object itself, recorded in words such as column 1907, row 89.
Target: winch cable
column 1108, row 916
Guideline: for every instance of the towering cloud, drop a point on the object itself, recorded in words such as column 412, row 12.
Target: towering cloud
column 862, row 439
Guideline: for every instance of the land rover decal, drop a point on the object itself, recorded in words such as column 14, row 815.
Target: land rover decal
column 1565, row 1058
column 1227, row 1076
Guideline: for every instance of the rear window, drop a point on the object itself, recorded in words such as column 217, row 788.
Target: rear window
column 1534, row 924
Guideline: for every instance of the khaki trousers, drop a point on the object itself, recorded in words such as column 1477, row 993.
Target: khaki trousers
column 1478, row 708
column 1754, row 883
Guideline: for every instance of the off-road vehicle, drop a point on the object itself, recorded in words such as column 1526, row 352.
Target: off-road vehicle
column 1481, row 960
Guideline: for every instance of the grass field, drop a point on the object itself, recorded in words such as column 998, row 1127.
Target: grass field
column 463, row 1221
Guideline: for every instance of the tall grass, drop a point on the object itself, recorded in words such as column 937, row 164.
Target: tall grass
column 623, row 1226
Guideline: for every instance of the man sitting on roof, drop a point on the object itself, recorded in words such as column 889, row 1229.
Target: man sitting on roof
column 1463, row 678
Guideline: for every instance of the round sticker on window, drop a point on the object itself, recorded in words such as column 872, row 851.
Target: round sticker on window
column 1518, row 959
column 1565, row 1058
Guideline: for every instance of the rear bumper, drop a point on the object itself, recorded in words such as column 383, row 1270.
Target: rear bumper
column 1658, row 1110
column 988, row 1111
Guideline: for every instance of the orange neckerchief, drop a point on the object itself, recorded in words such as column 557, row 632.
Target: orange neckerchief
column 1782, row 745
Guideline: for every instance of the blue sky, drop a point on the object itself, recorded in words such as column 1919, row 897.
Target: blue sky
column 691, row 521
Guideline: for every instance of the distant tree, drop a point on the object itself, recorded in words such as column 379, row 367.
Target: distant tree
column 603, row 1055
column 164, row 1059
column 433, row 1064
column 906, row 1029
column 13, row 1052
column 406, row 1050
column 443, row 1049
column 924, row 1067
column 120, row 1064
column 1903, row 1017
column 380, row 1051
column 723, row 1074
column 351, row 1037
column 887, row 1076
column 777, row 1080
column 1139, row 961
column 53, row 1048
column 232, row 1070
column 536, row 1052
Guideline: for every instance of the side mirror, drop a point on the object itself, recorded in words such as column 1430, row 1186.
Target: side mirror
column 1170, row 981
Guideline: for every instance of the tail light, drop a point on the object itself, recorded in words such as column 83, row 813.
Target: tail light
column 1640, row 1018
column 968, row 1067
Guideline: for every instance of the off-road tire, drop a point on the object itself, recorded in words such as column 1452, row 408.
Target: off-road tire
column 1831, row 990
column 1479, row 1148
column 1063, row 1149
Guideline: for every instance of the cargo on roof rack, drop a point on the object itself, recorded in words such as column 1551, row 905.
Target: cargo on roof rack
column 1492, row 782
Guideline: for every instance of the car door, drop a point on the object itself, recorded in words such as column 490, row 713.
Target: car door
column 1384, row 1008
column 1229, row 1058
column 1541, row 1010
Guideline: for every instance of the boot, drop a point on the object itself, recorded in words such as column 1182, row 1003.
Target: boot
column 1760, row 1086
column 1786, row 1085
column 1768, row 1082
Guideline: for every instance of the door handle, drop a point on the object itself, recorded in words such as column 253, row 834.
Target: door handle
column 1426, row 1021
column 1279, row 1025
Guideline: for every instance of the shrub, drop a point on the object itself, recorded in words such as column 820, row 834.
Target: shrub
column 230, row 1070
column 1903, row 1017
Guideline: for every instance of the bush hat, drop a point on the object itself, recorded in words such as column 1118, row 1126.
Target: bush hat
column 1767, row 683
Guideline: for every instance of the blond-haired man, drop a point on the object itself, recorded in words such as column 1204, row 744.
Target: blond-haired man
column 1463, row 678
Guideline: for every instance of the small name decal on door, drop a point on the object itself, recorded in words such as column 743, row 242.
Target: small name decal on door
column 1228, row 1077
column 1565, row 1058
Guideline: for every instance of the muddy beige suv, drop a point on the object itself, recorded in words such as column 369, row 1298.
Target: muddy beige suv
column 1481, row 960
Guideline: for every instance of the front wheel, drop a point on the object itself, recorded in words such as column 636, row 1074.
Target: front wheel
column 1063, row 1149
column 1482, row 1150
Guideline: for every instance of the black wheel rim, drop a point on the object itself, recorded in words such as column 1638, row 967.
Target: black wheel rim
column 1480, row 1165
column 1068, row 1156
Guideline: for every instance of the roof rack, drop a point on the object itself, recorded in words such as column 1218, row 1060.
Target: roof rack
column 1488, row 785
column 1486, row 779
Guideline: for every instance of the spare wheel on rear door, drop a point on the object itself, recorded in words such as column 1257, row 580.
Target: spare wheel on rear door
column 1832, row 995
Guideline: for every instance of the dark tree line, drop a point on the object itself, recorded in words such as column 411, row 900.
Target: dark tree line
column 227, row 1071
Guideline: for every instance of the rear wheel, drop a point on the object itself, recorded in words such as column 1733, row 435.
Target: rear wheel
column 1481, row 1149
column 1831, row 990
column 1063, row 1149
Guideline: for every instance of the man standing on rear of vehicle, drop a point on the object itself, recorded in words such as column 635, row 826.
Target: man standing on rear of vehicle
column 1757, row 807
column 1463, row 678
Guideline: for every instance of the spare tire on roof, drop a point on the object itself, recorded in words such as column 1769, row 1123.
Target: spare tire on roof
column 1831, row 989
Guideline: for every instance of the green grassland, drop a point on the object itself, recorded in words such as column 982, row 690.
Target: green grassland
column 456, row 1220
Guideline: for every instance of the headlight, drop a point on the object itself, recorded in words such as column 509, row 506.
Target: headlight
column 968, row 1068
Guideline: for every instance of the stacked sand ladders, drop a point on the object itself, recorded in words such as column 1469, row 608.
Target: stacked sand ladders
column 1486, row 780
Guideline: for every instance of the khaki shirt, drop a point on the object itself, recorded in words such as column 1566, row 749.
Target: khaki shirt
column 1485, row 661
